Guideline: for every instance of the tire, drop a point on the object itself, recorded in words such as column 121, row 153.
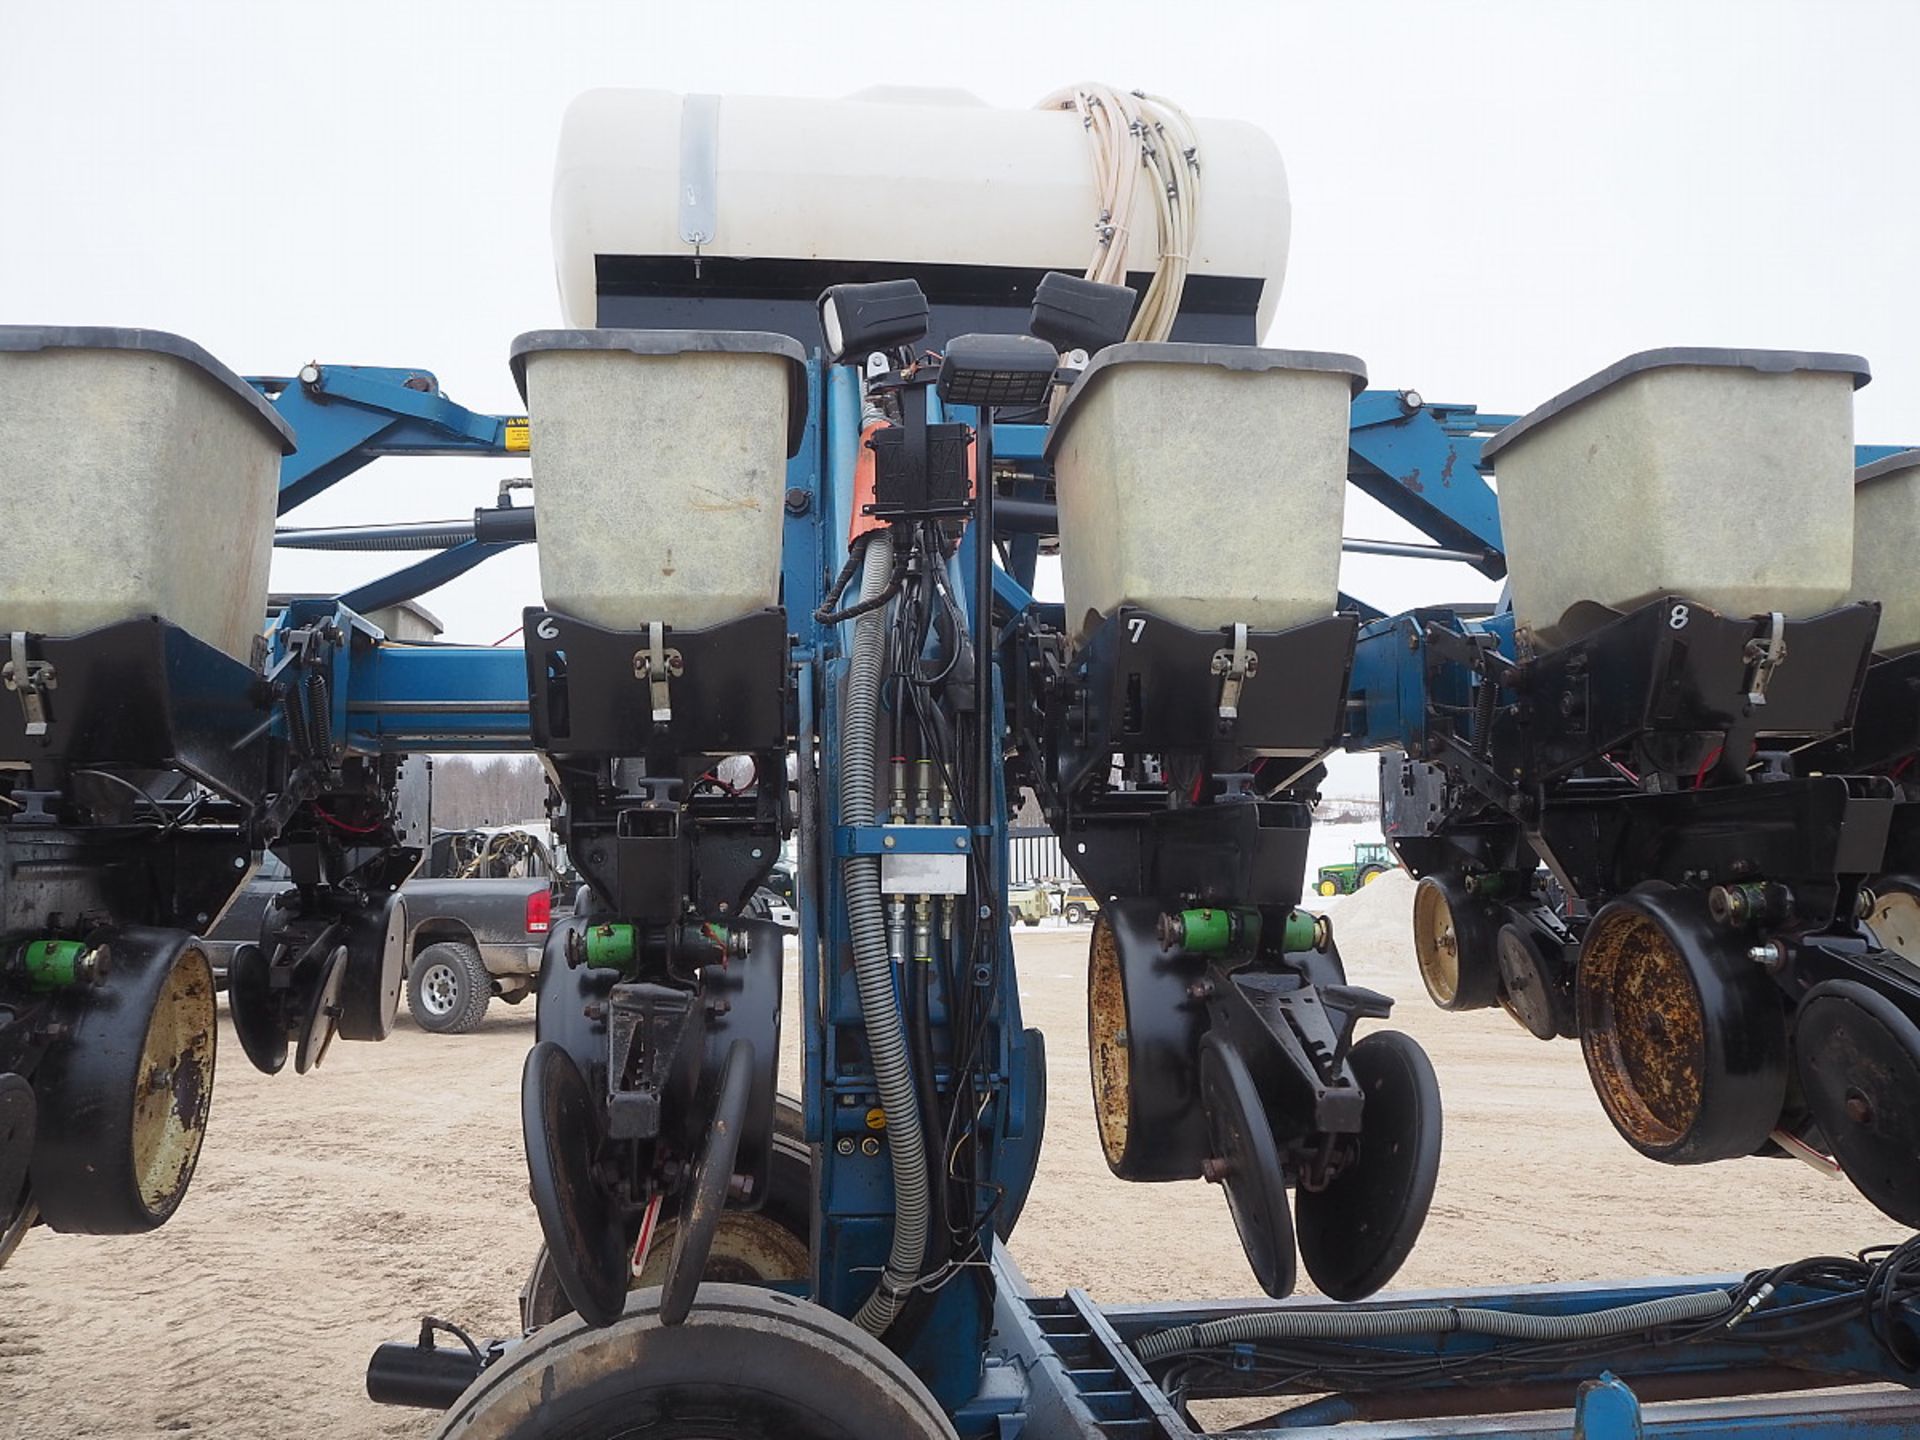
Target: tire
column 1329, row 886
column 448, row 988
column 1028, row 920
column 1076, row 914
column 1367, row 877
column 747, row 1363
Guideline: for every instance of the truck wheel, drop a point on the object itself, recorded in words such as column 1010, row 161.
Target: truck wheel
column 449, row 988
column 1367, row 877
column 1076, row 915
column 1329, row 885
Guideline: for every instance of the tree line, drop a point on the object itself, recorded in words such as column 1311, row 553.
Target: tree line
column 487, row 790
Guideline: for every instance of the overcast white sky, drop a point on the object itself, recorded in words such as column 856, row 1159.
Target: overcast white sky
column 1491, row 200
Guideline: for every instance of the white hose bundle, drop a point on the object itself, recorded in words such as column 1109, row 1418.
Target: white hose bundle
column 1133, row 133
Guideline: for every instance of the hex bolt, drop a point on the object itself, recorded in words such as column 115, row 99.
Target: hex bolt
column 845, row 1145
column 869, row 1147
column 1770, row 956
column 1199, row 989
column 740, row 1187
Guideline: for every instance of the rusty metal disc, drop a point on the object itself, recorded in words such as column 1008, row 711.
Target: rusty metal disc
column 1858, row 1055
column 1244, row 1160
column 318, row 984
column 124, row 1095
column 1684, row 1036
column 1356, row 1230
column 705, row 1198
column 1143, row 1046
column 585, row 1239
column 1455, row 945
column 17, row 1113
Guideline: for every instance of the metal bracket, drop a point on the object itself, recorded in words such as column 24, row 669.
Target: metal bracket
column 1764, row 656
column 1234, row 667
column 31, row 679
column 659, row 664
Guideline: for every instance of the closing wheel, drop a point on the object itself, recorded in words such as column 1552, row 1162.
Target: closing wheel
column 583, row 1232
column 258, row 1017
column 1243, row 1159
column 1895, row 917
column 1455, row 942
column 766, row 1247
column 748, row 1364
column 705, row 1197
column 376, row 970
column 1531, row 988
column 319, row 1015
column 1356, row 1231
column 1143, row 1042
column 17, row 1107
column 1684, row 1037
column 124, row 1094
column 1859, row 1061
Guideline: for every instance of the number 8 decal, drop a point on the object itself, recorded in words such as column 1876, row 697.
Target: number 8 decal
column 1678, row 619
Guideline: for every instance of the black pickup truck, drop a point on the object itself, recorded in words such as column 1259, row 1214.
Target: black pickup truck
column 478, row 912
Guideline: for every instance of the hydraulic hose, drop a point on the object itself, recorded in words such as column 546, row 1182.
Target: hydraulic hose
column 873, row 973
column 1356, row 1324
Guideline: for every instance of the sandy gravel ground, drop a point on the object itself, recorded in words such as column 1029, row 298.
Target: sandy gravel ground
column 330, row 1211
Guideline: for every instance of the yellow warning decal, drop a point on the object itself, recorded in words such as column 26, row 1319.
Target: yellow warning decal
column 517, row 438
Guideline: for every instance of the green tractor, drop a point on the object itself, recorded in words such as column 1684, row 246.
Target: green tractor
column 1371, row 860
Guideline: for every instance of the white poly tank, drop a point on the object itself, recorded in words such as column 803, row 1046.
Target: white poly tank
column 932, row 177
column 1205, row 483
column 1886, row 538
column 659, row 469
column 138, row 476
column 1725, row 476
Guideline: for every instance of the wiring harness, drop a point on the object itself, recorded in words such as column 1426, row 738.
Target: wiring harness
column 1294, row 1349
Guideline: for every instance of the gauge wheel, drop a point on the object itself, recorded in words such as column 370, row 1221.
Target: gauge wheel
column 1455, row 944
column 1685, row 1038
